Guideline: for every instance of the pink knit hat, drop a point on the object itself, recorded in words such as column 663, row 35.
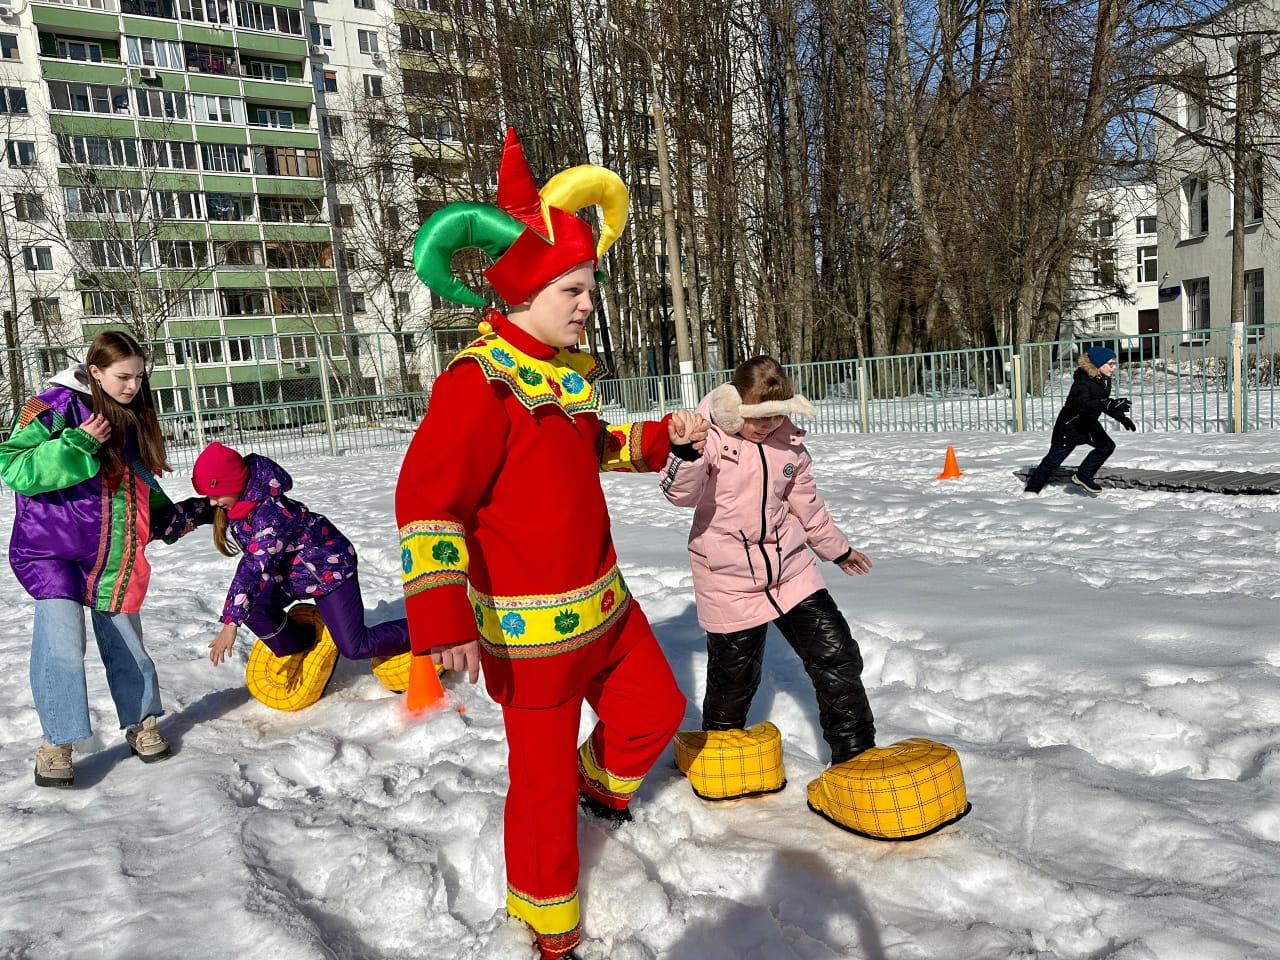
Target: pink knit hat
column 219, row 472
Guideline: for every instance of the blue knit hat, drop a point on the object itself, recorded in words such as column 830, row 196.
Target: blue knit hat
column 1100, row 355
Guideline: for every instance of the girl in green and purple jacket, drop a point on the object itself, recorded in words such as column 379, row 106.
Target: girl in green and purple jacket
column 82, row 461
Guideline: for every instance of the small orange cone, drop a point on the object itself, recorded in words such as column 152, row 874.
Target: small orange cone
column 950, row 469
column 424, row 690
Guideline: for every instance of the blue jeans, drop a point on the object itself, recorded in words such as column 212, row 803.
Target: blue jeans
column 58, row 684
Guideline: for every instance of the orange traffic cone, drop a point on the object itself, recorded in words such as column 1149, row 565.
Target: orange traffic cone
column 424, row 690
column 950, row 469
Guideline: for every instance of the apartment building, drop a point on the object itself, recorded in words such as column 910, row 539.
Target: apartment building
column 1221, row 84
column 1116, row 280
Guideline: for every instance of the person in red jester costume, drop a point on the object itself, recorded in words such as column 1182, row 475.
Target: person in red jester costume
column 500, row 491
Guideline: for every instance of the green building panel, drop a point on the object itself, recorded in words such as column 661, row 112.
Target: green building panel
column 290, row 47
column 249, row 327
column 222, row 86
column 288, row 4
column 175, row 181
column 291, row 186
column 273, row 94
column 311, row 233
column 156, row 29
column 184, row 329
column 197, row 34
column 219, row 183
column 325, row 323
column 228, row 134
column 242, row 279
column 254, row 373
column 88, row 124
column 274, row 137
column 235, row 231
column 182, row 231
column 293, row 279
column 109, row 177
column 163, row 130
column 112, row 73
column 75, row 20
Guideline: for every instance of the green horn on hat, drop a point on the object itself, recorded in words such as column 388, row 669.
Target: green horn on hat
column 460, row 226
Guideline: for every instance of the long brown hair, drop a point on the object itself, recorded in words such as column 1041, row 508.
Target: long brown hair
column 139, row 415
column 760, row 380
column 225, row 544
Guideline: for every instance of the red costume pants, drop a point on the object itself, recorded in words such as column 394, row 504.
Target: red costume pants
column 639, row 708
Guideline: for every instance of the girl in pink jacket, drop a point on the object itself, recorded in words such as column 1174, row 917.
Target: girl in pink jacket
column 757, row 517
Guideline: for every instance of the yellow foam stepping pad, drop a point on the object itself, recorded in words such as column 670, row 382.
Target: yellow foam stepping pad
column 297, row 680
column 901, row 792
column 726, row 764
column 393, row 672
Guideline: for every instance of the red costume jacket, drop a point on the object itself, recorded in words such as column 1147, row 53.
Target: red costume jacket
column 501, row 488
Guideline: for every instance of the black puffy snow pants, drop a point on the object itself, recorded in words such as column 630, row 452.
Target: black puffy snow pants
column 818, row 632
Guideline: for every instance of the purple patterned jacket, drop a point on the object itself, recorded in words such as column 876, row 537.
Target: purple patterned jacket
column 285, row 546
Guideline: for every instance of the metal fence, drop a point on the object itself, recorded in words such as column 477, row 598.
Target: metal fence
column 341, row 394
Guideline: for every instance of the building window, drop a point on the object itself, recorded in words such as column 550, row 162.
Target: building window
column 402, row 301
column 321, row 35
column 37, row 258
column 1195, row 98
column 346, row 215
column 372, row 85
column 1249, row 75
column 1145, row 226
column 266, row 71
column 9, row 46
column 29, row 206
column 1197, row 295
column 1254, row 307
column 46, row 312
column 368, row 41
column 333, row 126
column 327, row 81
column 282, row 119
column 1147, row 263
column 80, row 50
column 364, row 4
column 13, row 100
column 1104, row 268
column 357, row 302
column 1106, row 322
column 21, row 153
column 1251, row 170
column 1195, row 206
column 1104, row 228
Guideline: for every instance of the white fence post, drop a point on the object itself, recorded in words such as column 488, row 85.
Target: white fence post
column 328, row 400
column 195, row 401
column 1019, row 395
column 1237, row 377
column 862, row 397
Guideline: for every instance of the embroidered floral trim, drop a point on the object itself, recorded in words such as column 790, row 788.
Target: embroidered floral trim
column 517, row 628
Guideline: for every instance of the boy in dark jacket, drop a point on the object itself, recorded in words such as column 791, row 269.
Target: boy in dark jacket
column 1077, row 423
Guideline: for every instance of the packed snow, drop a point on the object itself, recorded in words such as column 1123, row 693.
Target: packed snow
column 1108, row 669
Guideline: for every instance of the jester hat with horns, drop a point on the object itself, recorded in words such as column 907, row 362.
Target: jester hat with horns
column 532, row 236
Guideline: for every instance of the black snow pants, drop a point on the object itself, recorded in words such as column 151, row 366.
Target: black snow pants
column 819, row 633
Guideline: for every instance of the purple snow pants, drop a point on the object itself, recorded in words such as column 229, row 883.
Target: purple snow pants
column 343, row 613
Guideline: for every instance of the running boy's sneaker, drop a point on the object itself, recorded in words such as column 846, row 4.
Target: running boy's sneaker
column 1088, row 484
column 145, row 741
column 53, row 765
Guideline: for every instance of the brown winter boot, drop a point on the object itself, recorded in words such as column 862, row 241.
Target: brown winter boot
column 145, row 740
column 53, row 765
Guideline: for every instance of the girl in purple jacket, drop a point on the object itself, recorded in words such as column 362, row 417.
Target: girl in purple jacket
column 757, row 517
column 82, row 461
column 287, row 553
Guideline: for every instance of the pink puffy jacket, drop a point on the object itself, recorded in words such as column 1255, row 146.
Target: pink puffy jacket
column 757, row 511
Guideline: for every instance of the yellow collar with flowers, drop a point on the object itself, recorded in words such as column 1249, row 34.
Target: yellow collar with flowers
column 564, row 380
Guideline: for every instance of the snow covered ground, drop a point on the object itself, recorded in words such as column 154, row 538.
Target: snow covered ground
column 1108, row 669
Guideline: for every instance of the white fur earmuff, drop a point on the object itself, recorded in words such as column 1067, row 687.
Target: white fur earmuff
column 728, row 411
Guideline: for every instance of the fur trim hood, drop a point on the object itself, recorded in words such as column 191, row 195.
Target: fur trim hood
column 1084, row 363
column 728, row 411
column 76, row 377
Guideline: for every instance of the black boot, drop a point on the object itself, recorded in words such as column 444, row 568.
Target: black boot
column 610, row 815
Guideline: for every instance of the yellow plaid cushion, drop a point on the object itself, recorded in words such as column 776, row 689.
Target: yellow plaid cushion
column 725, row 764
column 297, row 680
column 393, row 672
column 900, row 792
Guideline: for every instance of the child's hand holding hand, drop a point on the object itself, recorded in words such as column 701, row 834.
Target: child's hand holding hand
column 855, row 562
column 98, row 427
column 220, row 648
column 685, row 426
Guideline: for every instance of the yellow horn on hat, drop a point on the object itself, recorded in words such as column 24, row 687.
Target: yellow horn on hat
column 589, row 185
